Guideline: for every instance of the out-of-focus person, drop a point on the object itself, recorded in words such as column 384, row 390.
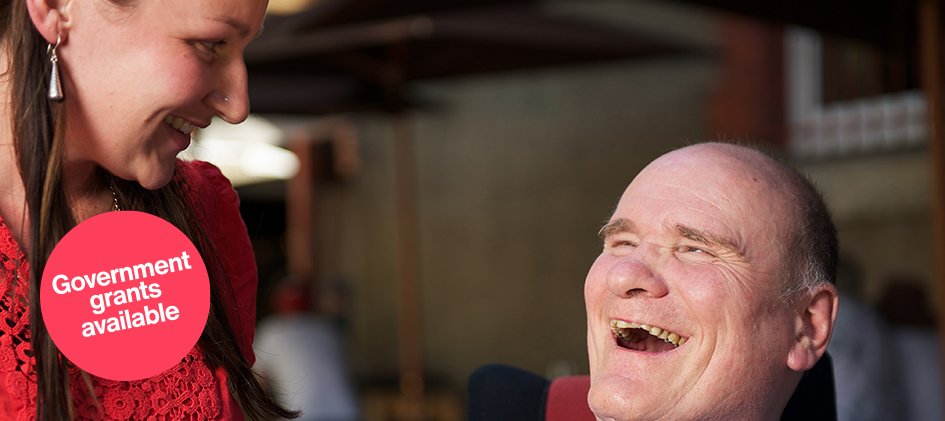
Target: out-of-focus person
column 301, row 356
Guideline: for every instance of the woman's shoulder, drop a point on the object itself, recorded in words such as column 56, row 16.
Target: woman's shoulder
column 201, row 175
column 204, row 185
column 216, row 208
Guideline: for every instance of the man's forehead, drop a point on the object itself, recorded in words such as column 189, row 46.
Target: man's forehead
column 722, row 193
column 714, row 159
column 718, row 173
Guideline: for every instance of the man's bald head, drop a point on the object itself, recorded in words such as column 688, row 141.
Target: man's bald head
column 810, row 246
column 687, row 316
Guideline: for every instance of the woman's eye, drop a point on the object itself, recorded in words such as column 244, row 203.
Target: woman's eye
column 210, row 46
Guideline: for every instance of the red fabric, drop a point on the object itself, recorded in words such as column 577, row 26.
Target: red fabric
column 189, row 390
column 224, row 226
column 567, row 399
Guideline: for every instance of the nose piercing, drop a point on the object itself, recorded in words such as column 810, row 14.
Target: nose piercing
column 225, row 99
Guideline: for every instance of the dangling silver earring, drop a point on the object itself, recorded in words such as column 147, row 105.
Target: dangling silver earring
column 55, row 87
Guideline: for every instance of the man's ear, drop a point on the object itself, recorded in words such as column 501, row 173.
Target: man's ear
column 815, row 315
column 50, row 17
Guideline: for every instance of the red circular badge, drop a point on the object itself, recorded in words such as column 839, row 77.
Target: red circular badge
column 125, row 295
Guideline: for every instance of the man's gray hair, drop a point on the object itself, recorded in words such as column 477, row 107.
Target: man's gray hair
column 812, row 250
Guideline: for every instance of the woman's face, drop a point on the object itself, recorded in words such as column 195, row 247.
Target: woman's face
column 139, row 78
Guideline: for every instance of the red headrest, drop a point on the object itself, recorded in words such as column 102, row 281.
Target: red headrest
column 567, row 399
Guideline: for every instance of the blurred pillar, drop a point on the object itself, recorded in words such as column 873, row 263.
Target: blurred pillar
column 930, row 50
column 747, row 104
column 405, row 196
column 301, row 194
column 410, row 341
column 328, row 152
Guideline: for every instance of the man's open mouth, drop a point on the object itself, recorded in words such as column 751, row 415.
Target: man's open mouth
column 646, row 338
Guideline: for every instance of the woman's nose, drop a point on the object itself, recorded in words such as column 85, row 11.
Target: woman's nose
column 230, row 100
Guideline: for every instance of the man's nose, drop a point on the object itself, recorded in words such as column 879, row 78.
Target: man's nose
column 636, row 274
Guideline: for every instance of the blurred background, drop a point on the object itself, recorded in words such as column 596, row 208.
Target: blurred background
column 423, row 180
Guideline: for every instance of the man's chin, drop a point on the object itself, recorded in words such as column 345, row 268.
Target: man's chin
column 615, row 398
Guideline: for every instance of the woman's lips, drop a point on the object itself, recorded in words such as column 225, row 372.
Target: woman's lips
column 180, row 131
column 180, row 124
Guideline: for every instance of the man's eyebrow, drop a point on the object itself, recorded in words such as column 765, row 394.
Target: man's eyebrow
column 616, row 226
column 706, row 238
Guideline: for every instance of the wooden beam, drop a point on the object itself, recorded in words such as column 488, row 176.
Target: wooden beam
column 408, row 276
column 747, row 103
column 300, row 217
column 930, row 48
column 332, row 40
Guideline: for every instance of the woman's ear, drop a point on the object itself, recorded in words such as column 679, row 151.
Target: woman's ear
column 815, row 316
column 48, row 17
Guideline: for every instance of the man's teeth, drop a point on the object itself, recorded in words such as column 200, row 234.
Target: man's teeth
column 179, row 124
column 631, row 331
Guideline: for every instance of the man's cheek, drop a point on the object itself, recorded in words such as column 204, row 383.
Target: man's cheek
column 595, row 287
column 591, row 351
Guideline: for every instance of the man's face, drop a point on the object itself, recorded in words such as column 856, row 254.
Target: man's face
column 693, row 250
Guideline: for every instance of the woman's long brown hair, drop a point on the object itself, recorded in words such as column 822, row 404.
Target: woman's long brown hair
column 38, row 131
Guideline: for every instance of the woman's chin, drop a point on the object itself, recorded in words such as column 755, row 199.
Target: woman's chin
column 154, row 183
column 153, row 179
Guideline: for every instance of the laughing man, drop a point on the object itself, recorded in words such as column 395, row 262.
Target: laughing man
column 714, row 291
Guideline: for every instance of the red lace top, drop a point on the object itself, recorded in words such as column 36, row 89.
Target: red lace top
column 190, row 390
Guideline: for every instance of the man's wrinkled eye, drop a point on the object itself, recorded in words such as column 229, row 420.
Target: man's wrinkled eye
column 694, row 250
column 622, row 243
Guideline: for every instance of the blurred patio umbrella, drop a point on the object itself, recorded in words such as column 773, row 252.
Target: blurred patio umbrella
column 330, row 59
column 879, row 22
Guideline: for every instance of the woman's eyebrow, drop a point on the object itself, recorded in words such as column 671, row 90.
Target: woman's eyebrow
column 241, row 28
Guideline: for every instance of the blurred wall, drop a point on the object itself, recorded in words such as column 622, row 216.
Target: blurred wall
column 516, row 174
column 882, row 207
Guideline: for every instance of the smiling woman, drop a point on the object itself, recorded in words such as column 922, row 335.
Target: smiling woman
column 132, row 80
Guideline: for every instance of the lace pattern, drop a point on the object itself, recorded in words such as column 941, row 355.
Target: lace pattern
column 16, row 359
column 185, row 392
column 189, row 391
